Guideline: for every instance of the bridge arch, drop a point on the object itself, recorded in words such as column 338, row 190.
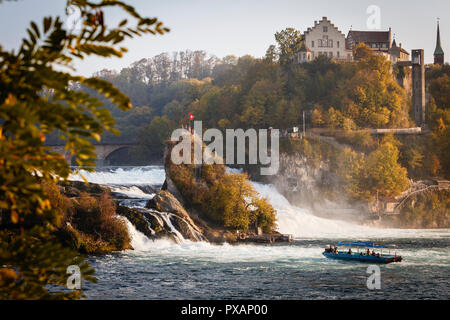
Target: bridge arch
column 103, row 151
column 118, row 156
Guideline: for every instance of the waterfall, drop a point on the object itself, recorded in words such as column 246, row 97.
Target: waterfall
column 302, row 223
column 149, row 175
column 291, row 219
column 139, row 241
column 178, row 236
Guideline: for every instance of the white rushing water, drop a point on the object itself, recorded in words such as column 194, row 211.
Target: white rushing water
column 132, row 192
column 293, row 220
column 302, row 223
column 149, row 175
column 165, row 269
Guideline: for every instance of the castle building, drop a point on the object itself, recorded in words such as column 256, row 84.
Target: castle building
column 397, row 53
column 378, row 41
column 438, row 52
column 323, row 39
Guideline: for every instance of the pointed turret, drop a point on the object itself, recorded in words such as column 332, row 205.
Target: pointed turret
column 438, row 52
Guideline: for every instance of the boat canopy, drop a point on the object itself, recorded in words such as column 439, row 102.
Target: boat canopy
column 360, row 244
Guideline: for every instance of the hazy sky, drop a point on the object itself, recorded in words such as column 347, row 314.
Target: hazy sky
column 242, row 27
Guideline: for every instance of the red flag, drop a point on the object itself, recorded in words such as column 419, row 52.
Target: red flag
column 191, row 117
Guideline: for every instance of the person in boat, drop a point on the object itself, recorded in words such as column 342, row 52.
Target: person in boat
column 368, row 252
column 373, row 252
column 350, row 251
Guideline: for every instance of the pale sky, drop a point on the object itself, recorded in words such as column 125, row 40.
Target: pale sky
column 242, row 27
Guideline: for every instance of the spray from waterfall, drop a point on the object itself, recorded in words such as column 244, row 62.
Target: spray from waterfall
column 294, row 220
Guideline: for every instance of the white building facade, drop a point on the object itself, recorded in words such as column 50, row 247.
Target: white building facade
column 324, row 39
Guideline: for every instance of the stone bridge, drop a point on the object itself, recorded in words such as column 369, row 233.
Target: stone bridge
column 103, row 151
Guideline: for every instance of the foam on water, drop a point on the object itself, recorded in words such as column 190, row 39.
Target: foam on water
column 290, row 219
column 132, row 192
column 149, row 175
column 296, row 255
column 303, row 224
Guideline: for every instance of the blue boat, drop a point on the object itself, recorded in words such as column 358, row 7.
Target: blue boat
column 363, row 253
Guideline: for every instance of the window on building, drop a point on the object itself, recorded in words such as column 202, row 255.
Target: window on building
column 325, row 41
column 330, row 54
column 304, row 56
column 330, row 43
column 337, row 44
column 312, row 44
column 337, row 54
column 325, row 29
column 320, row 43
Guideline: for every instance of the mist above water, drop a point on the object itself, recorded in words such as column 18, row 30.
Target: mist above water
column 300, row 222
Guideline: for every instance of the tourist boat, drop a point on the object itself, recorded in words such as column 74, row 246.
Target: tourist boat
column 365, row 253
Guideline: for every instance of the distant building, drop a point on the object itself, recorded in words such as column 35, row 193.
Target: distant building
column 438, row 52
column 397, row 53
column 323, row 39
column 378, row 41
column 304, row 54
column 326, row 39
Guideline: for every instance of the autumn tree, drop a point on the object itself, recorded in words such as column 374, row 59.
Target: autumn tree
column 361, row 51
column 36, row 99
column 385, row 174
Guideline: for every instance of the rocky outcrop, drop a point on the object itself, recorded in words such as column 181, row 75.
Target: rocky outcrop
column 73, row 189
column 164, row 216
column 164, row 201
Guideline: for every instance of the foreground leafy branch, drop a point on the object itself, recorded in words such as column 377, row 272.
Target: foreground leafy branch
column 36, row 99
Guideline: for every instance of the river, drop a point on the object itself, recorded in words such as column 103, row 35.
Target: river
column 198, row 270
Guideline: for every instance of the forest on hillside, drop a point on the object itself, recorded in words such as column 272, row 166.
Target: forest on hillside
column 273, row 91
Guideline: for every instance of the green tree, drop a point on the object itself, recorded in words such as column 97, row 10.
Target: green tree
column 271, row 54
column 36, row 99
column 153, row 137
column 289, row 42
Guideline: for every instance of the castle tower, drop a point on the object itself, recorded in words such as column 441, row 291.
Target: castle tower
column 438, row 52
column 418, row 86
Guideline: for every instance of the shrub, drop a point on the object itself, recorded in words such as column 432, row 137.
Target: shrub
column 97, row 221
column 227, row 199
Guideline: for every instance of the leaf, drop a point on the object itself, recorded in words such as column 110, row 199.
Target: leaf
column 35, row 29
column 123, row 22
column 14, row 217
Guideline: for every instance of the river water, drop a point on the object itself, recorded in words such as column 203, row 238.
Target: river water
column 199, row 270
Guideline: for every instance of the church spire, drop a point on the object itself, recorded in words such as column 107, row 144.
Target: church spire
column 438, row 52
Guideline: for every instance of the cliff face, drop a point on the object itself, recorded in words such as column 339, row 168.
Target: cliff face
column 299, row 182
column 313, row 186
